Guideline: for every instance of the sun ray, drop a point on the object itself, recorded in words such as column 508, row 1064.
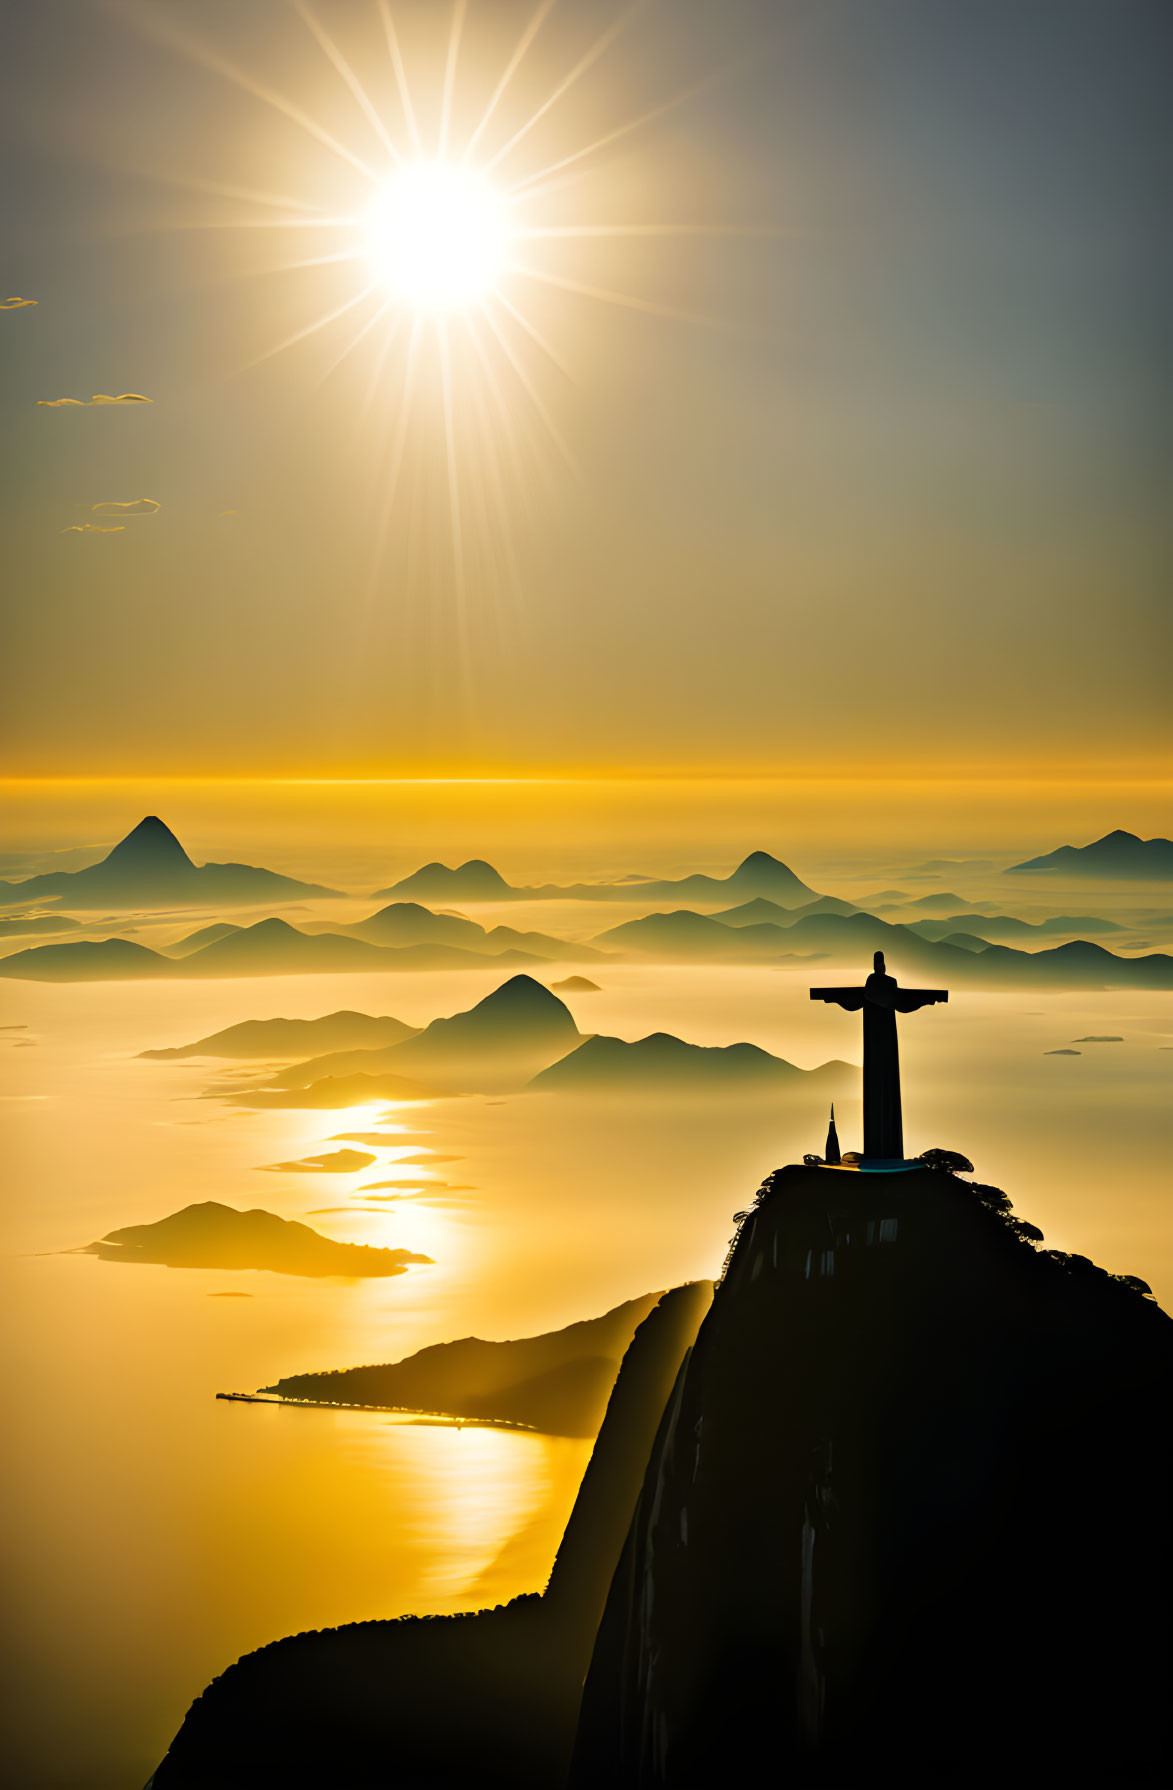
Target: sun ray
column 369, row 111
column 453, row 470
column 459, row 13
column 319, row 223
column 228, row 71
column 310, row 328
column 495, row 509
column 220, row 189
column 531, row 182
column 530, row 390
column 507, row 418
column 511, row 67
column 401, row 83
column 538, row 231
column 585, row 62
column 535, row 335
column 624, row 299
column 336, row 259
column 361, row 334
column 398, row 443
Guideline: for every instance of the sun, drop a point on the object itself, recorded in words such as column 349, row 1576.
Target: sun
column 437, row 236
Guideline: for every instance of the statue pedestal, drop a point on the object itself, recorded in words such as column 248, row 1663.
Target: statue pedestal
column 880, row 1165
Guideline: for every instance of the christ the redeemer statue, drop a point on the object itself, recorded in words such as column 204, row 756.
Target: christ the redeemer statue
column 881, row 999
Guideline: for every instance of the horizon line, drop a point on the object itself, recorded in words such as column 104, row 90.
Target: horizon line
column 789, row 778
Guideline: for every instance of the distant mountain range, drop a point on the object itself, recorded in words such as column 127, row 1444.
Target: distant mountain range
column 958, row 944
column 210, row 1235
column 408, row 923
column 758, row 875
column 688, row 937
column 995, row 927
column 499, row 1044
column 270, row 948
column 522, row 1035
column 970, row 962
column 294, row 1037
column 665, row 1064
column 149, row 868
column 1119, row 855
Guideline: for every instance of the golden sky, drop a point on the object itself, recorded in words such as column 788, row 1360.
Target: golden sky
column 855, row 469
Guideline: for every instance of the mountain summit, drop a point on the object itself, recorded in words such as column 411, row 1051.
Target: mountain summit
column 150, row 847
column 1118, row 855
column 473, row 881
column 499, row 1044
column 149, row 868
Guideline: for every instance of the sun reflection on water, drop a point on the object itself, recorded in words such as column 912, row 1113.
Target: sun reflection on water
column 461, row 1492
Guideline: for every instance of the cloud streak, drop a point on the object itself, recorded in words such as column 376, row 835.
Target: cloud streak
column 89, row 403
column 15, row 304
column 94, row 528
column 133, row 506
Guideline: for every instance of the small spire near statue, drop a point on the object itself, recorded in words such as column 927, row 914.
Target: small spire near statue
column 831, row 1154
column 881, row 998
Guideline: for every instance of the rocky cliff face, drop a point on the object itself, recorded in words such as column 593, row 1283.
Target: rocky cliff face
column 906, row 1518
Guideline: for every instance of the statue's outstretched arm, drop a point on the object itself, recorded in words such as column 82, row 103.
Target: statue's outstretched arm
column 911, row 1000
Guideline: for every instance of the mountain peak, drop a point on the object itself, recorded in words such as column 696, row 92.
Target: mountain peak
column 521, row 995
column 763, row 874
column 150, row 843
column 1119, row 855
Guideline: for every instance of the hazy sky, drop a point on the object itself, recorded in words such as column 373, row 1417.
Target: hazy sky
column 870, row 475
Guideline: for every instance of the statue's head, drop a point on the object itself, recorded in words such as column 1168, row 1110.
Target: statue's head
column 878, row 963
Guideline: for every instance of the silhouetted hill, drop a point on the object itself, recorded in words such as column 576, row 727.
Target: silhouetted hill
column 206, row 935
column 758, row 875
column 664, row 1064
column 149, row 868
column 1117, row 855
column 876, row 1540
column 575, row 985
column 759, row 911
column 88, row 960
column 269, row 948
column 941, row 903
column 470, row 1702
column 688, row 937
column 407, row 923
column 992, row 928
column 274, row 947
column 473, row 881
column 210, row 1235
column 560, row 1381
column 500, row 1043
column 294, row 1037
